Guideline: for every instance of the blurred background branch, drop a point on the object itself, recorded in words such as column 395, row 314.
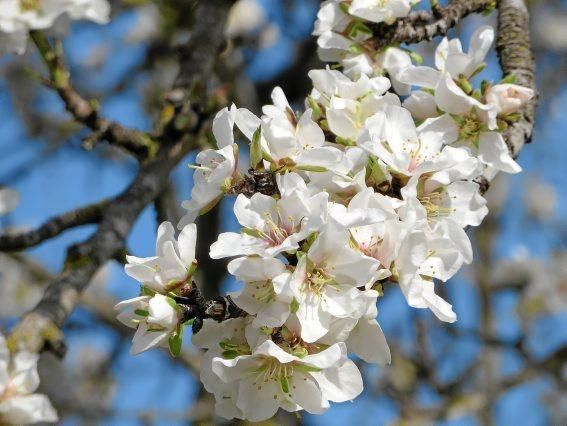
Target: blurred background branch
column 158, row 73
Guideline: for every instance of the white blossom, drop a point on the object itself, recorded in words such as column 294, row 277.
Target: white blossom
column 326, row 280
column 271, row 226
column 173, row 263
column 270, row 378
column 391, row 136
column 19, row 404
column 349, row 103
column 266, row 293
column 425, row 255
column 380, row 10
column 244, row 17
column 154, row 317
column 339, row 37
column 450, row 59
column 226, row 338
column 18, row 17
column 217, row 168
column 293, row 143
column 508, row 98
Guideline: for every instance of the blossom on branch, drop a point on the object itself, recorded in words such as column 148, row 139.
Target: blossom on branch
column 18, row 382
column 357, row 191
column 19, row 17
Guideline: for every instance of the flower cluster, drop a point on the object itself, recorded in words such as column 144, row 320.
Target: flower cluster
column 359, row 189
column 345, row 36
column 19, row 17
column 18, row 382
column 155, row 314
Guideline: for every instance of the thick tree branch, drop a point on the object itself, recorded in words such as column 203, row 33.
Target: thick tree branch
column 40, row 328
column 133, row 141
column 516, row 57
column 420, row 25
column 515, row 53
column 185, row 102
column 53, row 227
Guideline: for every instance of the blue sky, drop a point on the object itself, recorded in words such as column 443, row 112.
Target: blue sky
column 70, row 177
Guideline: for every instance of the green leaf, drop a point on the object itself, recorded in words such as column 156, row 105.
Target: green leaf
column 230, row 354
column 416, row 57
column 509, row 79
column 478, row 69
column 256, row 149
column 465, row 84
column 359, row 29
column 375, row 173
column 171, row 302
column 317, row 112
column 345, row 141
column 175, row 343
column 146, row 291
column 355, row 49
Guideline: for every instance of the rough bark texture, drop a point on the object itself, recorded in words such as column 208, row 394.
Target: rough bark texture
column 420, row 25
column 40, row 328
column 516, row 57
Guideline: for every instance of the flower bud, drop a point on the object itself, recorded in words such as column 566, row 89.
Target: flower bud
column 508, row 98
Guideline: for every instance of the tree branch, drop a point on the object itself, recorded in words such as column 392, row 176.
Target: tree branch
column 419, row 26
column 53, row 227
column 133, row 141
column 40, row 328
column 516, row 57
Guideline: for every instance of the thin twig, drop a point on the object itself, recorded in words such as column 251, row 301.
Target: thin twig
column 53, row 227
column 133, row 141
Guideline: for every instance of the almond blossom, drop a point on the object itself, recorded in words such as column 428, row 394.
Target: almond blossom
column 266, row 293
column 292, row 143
column 381, row 10
column 450, row 59
column 154, row 318
column 341, row 39
column 271, row 377
column 406, row 150
column 422, row 257
column 217, row 168
column 271, row 226
column 474, row 113
column 326, row 280
column 367, row 191
column 19, row 404
column 18, row 17
column 349, row 103
column 173, row 263
column 508, row 98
